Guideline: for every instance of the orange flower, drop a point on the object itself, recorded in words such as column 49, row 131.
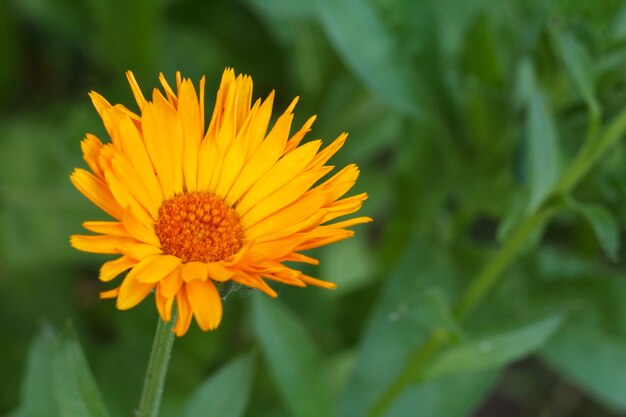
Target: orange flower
column 192, row 208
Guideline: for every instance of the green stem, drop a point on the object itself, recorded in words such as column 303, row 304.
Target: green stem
column 584, row 161
column 491, row 272
column 591, row 152
column 157, row 369
column 416, row 361
column 470, row 299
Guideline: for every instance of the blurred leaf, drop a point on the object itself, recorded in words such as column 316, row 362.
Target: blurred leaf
column 292, row 359
column 128, row 34
column 429, row 309
column 58, row 381
column 578, row 65
column 74, row 388
column 619, row 24
column 37, row 397
column 452, row 396
column 496, row 349
column 371, row 51
column 481, row 57
column 280, row 9
column 400, row 323
column 604, row 225
column 57, row 17
column 544, row 164
column 224, row 393
column 593, row 359
column 348, row 263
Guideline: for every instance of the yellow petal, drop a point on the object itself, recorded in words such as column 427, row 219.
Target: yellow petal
column 110, row 293
column 138, row 230
column 194, row 271
column 264, row 157
column 206, row 303
column 112, row 269
column 125, row 172
column 136, row 90
column 218, row 272
column 132, row 292
column 322, row 157
column 124, row 197
column 91, row 147
column 100, row 244
column 158, row 147
column 107, row 228
column 299, row 135
column 282, row 197
column 135, row 150
column 282, row 173
column 184, row 313
column 189, row 113
column 154, row 268
column 318, row 282
column 170, row 285
column 97, row 191
column 164, row 305
column 140, row 250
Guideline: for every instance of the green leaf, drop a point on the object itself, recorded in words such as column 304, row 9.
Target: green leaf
column 224, row 393
column 280, row 9
column 543, row 155
column 412, row 305
column 603, row 223
column 293, row 361
column 578, row 65
column 370, row 51
column 593, row 359
column 496, row 349
column 348, row 263
column 453, row 396
column 58, row 381
column 590, row 349
column 429, row 309
column 37, row 398
column 74, row 388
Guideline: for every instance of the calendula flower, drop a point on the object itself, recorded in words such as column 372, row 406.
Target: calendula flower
column 193, row 208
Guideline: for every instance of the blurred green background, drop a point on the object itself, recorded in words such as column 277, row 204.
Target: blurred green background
column 463, row 116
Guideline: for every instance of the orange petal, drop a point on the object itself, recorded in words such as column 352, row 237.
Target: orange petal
column 97, row 191
column 154, row 268
column 112, row 269
column 132, row 292
column 218, row 272
column 110, row 293
column 100, row 244
column 170, row 285
column 206, row 303
column 164, row 305
column 184, row 313
column 194, row 271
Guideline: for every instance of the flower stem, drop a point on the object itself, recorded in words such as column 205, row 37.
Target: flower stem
column 585, row 160
column 157, row 369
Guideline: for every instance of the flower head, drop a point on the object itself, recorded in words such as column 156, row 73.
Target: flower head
column 192, row 208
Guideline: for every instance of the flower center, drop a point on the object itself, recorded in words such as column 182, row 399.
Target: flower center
column 198, row 227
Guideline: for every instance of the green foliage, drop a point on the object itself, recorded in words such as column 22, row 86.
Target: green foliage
column 490, row 141
column 225, row 393
column 278, row 333
column 58, row 381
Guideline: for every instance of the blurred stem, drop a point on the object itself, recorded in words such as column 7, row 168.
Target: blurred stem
column 157, row 368
column 586, row 158
column 490, row 273
column 592, row 151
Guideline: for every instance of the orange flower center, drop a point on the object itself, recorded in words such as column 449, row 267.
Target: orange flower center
column 198, row 227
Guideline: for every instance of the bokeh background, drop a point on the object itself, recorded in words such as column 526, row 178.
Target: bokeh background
column 459, row 113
